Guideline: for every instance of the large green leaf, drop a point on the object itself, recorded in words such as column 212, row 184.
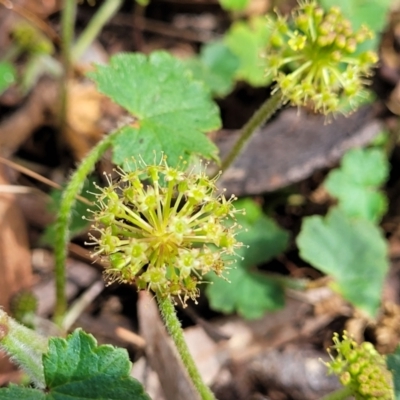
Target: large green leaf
column 172, row 111
column 250, row 293
column 77, row 369
column 356, row 183
column 393, row 363
column 248, row 40
column 352, row 251
column 216, row 67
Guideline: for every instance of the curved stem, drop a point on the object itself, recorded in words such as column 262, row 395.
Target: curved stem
column 68, row 199
column 102, row 16
column 24, row 346
column 175, row 330
column 67, row 35
column 340, row 394
column 263, row 114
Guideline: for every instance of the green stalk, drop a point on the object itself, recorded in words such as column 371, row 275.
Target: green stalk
column 67, row 35
column 24, row 346
column 263, row 114
column 68, row 199
column 102, row 16
column 175, row 330
column 340, row 394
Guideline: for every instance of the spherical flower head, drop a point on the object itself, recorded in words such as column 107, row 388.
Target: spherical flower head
column 314, row 60
column 163, row 229
column 361, row 368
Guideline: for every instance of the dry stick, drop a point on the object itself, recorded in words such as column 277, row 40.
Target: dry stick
column 39, row 177
column 81, row 304
column 33, row 18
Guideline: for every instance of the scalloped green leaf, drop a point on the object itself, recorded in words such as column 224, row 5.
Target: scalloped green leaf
column 248, row 40
column 172, row 111
column 7, row 75
column 248, row 292
column 76, row 368
column 356, row 183
column 352, row 251
column 216, row 67
column 234, row 5
column 14, row 392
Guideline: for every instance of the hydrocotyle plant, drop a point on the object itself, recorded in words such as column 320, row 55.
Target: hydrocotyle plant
column 159, row 226
column 164, row 228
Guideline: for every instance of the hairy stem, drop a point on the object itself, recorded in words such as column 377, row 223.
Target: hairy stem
column 24, row 346
column 102, row 16
column 68, row 199
column 340, row 394
column 175, row 330
column 263, row 114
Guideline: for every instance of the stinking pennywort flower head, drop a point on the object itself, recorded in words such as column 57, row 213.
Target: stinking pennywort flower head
column 313, row 57
column 163, row 229
column 361, row 368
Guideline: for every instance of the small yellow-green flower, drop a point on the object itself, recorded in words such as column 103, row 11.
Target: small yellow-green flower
column 314, row 60
column 362, row 369
column 164, row 229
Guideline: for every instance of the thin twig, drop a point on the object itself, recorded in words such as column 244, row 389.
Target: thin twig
column 79, row 306
column 39, row 177
column 34, row 19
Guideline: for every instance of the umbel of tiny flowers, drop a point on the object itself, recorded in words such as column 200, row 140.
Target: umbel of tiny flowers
column 163, row 229
column 361, row 369
column 314, row 58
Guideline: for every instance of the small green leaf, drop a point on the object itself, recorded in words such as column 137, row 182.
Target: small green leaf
column 80, row 209
column 216, row 67
column 352, row 251
column 248, row 40
column 234, row 5
column 7, row 75
column 172, row 111
column 393, row 364
column 77, row 369
column 250, row 293
column 356, row 183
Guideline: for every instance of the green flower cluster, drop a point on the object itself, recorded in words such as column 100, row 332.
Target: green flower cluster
column 163, row 229
column 362, row 369
column 320, row 49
